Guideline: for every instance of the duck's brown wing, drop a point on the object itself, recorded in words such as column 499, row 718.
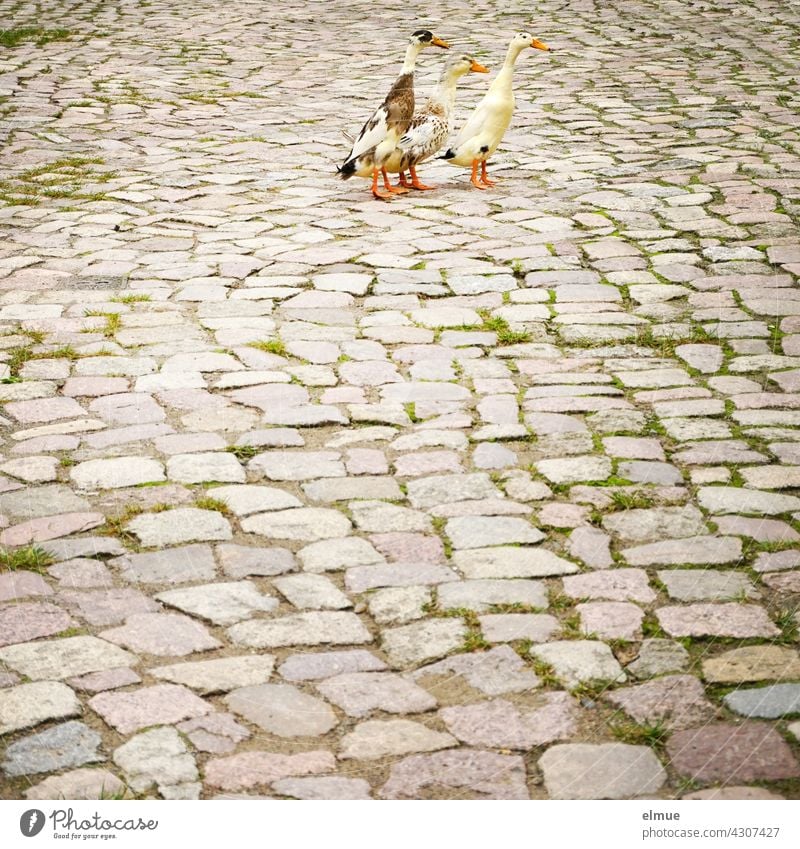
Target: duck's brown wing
column 393, row 114
column 399, row 103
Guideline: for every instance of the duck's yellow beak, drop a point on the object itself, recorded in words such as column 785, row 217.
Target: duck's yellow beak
column 478, row 68
column 539, row 45
column 439, row 43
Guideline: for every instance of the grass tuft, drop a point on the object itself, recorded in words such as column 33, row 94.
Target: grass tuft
column 654, row 735
column 270, row 346
column 31, row 558
column 243, row 452
column 39, row 35
column 546, row 673
column 36, row 336
column 115, row 525
column 592, row 689
column 206, row 502
column 624, row 500
column 505, row 335
column 130, row 299
column 17, row 357
column 787, row 620
column 61, row 178
column 475, row 641
column 65, row 352
column 411, row 411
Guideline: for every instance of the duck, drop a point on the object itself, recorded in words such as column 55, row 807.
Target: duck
column 390, row 121
column 432, row 124
column 483, row 132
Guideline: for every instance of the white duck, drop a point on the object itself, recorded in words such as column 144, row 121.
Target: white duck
column 379, row 136
column 487, row 125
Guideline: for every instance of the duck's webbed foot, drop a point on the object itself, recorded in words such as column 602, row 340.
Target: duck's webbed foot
column 387, row 184
column 485, row 177
column 375, row 191
column 474, row 178
column 416, row 183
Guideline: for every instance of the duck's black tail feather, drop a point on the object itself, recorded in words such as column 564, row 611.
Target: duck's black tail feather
column 347, row 170
column 448, row 154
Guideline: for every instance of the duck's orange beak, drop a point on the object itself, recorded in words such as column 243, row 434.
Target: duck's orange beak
column 439, row 43
column 478, row 68
column 539, row 45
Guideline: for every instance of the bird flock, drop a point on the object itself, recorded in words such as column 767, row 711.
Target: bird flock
column 396, row 138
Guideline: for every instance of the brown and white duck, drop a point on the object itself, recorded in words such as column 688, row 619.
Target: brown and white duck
column 379, row 136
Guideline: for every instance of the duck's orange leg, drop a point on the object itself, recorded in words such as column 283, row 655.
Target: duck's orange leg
column 416, row 183
column 376, row 193
column 485, row 177
column 387, row 184
column 474, row 178
column 401, row 180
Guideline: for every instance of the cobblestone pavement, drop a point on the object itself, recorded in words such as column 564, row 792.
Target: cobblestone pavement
column 469, row 494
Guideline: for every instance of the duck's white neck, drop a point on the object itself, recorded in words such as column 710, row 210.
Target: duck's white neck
column 514, row 49
column 412, row 51
column 503, row 79
column 446, row 90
